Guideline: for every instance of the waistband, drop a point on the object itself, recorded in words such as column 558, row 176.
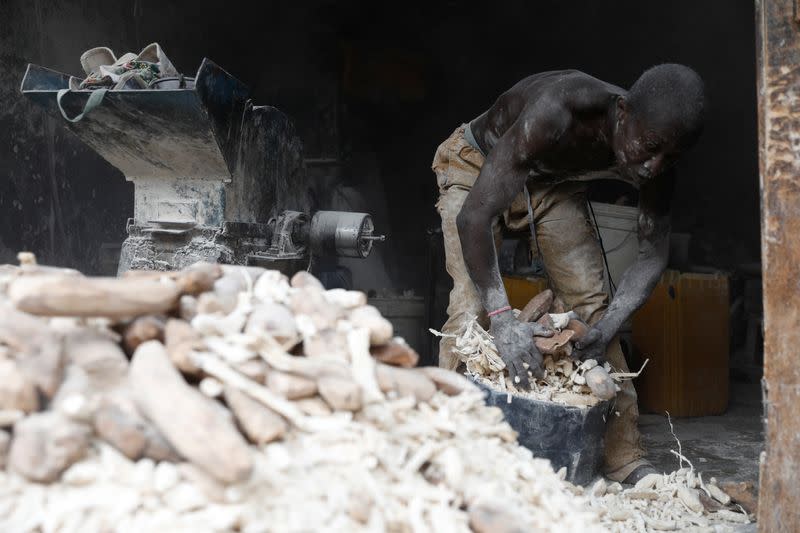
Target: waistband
column 470, row 138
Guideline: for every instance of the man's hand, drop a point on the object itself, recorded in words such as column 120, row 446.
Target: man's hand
column 514, row 343
column 592, row 345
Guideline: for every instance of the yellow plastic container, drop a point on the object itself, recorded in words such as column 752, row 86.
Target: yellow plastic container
column 520, row 290
column 683, row 330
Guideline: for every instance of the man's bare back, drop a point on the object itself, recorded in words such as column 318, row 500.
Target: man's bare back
column 584, row 146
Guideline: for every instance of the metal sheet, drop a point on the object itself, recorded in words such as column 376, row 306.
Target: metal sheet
column 154, row 133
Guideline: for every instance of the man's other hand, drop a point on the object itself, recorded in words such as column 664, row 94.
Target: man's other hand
column 592, row 345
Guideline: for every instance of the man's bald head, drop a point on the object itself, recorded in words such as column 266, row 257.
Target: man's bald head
column 659, row 119
column 669, row 98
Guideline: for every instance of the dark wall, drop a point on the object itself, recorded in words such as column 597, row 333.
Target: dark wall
column 374, row 88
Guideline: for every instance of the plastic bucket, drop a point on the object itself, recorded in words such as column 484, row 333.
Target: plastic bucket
column 618, row 230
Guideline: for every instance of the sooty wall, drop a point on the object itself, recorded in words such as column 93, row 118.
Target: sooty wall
column 373, row 87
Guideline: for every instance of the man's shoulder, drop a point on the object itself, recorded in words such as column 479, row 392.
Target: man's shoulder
column 545, row 118
column 566, row 90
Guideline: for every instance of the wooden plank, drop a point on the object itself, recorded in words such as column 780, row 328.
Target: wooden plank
column 778, row 49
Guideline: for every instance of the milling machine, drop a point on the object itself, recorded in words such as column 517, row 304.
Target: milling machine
column 216, row 178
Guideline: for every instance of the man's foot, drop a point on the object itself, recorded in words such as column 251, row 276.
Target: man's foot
column 638, row 473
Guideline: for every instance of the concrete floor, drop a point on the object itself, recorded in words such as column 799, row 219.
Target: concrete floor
column 726, row 447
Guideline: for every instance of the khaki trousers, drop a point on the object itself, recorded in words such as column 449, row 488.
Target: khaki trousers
column 573, row 260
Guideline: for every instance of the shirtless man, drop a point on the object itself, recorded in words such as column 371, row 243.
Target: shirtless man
column 541, row 141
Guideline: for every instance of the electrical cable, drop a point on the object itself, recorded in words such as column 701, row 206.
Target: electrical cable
column 612, row 285
column 532, row 225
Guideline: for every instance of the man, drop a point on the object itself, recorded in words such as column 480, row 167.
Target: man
column 539, row 143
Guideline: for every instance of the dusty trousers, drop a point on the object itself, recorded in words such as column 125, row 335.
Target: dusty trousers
column 573, row 260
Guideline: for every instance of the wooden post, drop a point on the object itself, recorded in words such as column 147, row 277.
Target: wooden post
column 778, row 49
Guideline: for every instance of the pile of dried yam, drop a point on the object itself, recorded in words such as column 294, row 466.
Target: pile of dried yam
column 234, row 399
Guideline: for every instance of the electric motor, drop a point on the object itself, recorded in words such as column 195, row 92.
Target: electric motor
column 342, row 233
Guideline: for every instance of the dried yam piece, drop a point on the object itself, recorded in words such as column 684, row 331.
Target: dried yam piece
column 380, row 329
column 258, row 422
column 303, row 279
column 405, row 382
column 272, row 319
column 690, row 499
column 37, row 348
column 731, row 516
column 209, row 303
column 142, row 329
column 486, row 518
column 198, row 278
column 346, row 299
column 536, row 307
column 363, row 366
column 580, row 328
column 200, row 433
column 255, row 369
column 311, row 302
column 328, row 343
column 575, row 399
column 600, row 382
column 551, row 345
column 648, row 482
column 290, row 386
column 342, row 394
column 718, row 494
column 187, row 307
column 744, row 493
column 180, row 339
column 447, row 381
column 17, row 391
column 396, row 352
column 272, row 286
column 93, row 297
column 546, row 321
column 306, row 366
column 560, row 320
column 599, row 488
column 315, row 406
column 642, row 495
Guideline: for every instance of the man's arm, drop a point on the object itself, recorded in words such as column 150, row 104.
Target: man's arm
column 502, row 177
column 640, row 278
